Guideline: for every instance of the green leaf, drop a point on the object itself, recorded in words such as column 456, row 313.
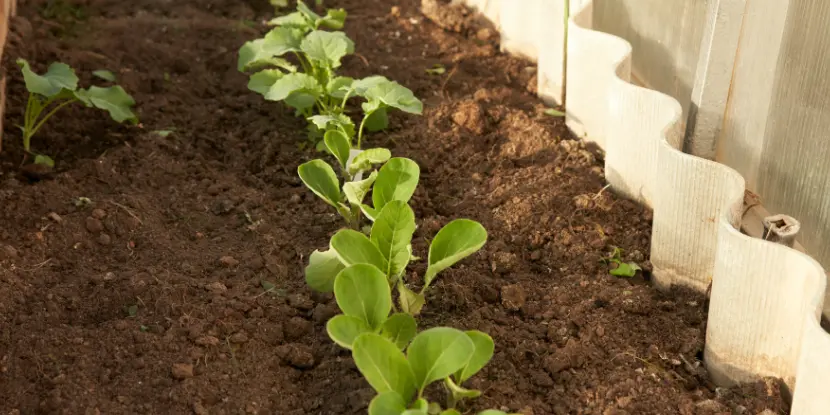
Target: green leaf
column 494, row 412
column 451, row 412
column 392, row 234
column 437, row 353
column 299, row 90
column 338, row 144
column 58, row 76
column 277, row 42
column 327, row 47
column 370, row 212
column 399, row 328
column 105, row 75
column 262, row 81
column 397, row 180
column 387, row 403
column 113, row 99
column 44, row 160
column 307, row 12
column 361, row 86
column 362, row 291
column 340, row 121
column 554, row 113
column 334, row 19
column 339, row 86
column 436, row 69
column 354, row 248
column 322, row 269
column 484, row 348
column 294, row 20
column 343, row 329
column 454, row 242
column 367, row 158
column 378, row 120
column 395, row 95
column 383, row 365
column 625, row 269
column 410, row 301
column 318, row 176
column 459, row 392
column 356, row 191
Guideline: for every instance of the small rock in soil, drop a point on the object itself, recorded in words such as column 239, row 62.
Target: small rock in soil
column 503, row 262
column 55, row 217
column 99, row 214
column 182, row 371
column 199, row 409
column 104, row 239
column 712, row 406
column 221, row 207
column 300, row 302
column 9, row 252
column 450, row 17
column 513, row 297
column 323, row 313
column 484, row 34
column 94, row 225
column 239, row 338
column 216, row 287
column 228, row 261
column 470, row 115
column 297, row 355
column 297, row 327
column 207, row 341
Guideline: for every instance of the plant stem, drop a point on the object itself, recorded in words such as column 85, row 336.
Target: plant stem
column 360, row 131
column 302, row 62
column 51, row 113
column 345, row 98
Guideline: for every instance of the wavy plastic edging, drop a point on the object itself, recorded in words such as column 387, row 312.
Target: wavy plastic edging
column 766, row 299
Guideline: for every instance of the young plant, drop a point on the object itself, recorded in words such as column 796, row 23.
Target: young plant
column 400, row 379
column 388, row 248
column 623, row 269
column 396, row 180
column 314, row 89
column 56, row 89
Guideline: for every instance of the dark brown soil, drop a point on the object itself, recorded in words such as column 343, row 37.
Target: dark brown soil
column 179, row 288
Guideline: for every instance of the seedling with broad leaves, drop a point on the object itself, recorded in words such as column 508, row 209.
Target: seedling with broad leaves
column 314, row 89
column 56, row 89
column 388, row 245
column 378, row 341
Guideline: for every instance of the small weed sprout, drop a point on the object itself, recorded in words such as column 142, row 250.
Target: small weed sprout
column 623, row 269
column 56, row 89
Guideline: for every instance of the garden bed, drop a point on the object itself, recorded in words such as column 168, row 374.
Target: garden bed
column 180, row 287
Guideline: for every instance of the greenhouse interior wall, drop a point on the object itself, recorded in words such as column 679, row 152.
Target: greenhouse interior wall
column 699, row 105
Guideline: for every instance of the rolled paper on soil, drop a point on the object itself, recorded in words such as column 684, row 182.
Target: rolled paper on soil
column 781, row 229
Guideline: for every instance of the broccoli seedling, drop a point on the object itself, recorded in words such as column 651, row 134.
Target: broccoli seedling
column 314, row 89
column 56, row 89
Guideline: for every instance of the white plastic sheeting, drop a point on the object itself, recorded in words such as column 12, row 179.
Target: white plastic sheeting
column 766, row 299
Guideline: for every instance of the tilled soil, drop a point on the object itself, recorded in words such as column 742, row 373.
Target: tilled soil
column 155, row 273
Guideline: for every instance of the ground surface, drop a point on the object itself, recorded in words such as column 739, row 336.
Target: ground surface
column 153, row 298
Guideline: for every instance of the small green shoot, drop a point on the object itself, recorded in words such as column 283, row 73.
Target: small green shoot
column 554, row 113
column 436, row 69
column 82, row 202
column 59, row 86
column 622, row 269
column 132, row 310
column 164, row 133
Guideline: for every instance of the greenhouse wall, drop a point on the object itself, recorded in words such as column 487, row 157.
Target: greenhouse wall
column 749, row 77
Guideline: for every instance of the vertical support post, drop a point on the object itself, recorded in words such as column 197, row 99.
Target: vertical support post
column 713, row 76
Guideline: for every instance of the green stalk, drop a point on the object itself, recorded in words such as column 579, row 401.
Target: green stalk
column 43, row 120
column 360, row 131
